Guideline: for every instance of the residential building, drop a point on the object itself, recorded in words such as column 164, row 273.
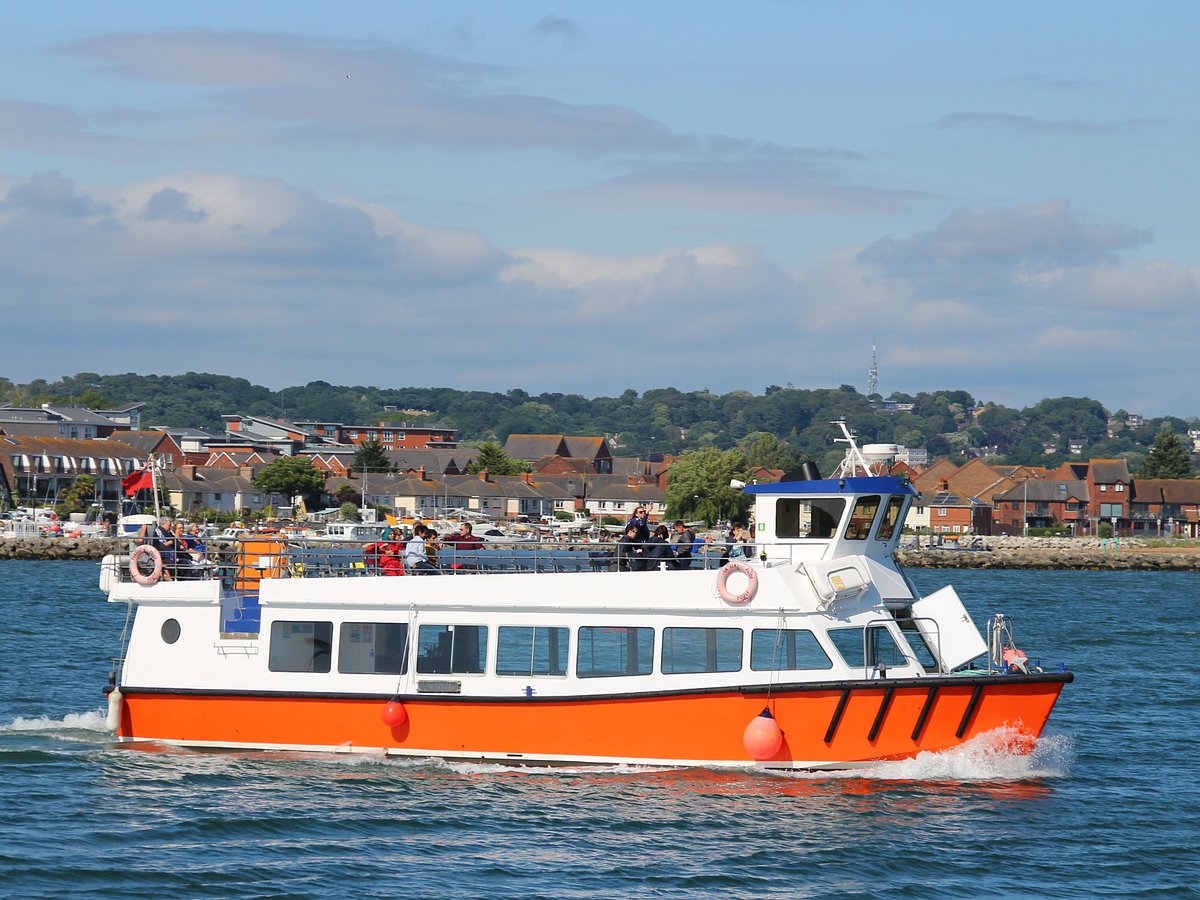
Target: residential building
column 532, row 448
column 391, row 435
column 1041, row 503
column 39, row 470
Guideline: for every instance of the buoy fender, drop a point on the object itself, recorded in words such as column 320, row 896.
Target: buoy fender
column 145, row 551
column 112, row 721
column 723, row 583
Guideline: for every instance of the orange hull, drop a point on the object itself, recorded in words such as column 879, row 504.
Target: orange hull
column 823, row 726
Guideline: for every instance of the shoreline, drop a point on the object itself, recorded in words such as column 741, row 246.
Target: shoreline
column 1136, row 554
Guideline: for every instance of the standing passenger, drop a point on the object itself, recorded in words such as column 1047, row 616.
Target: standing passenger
column 684, row 539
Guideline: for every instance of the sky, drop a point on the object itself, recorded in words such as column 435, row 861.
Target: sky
column 586, row 198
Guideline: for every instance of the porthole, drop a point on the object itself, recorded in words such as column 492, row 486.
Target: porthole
column 170, row 631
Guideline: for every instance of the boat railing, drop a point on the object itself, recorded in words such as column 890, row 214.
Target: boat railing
column 243, row 563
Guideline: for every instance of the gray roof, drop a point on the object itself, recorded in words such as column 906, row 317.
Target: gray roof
column 1042, row 490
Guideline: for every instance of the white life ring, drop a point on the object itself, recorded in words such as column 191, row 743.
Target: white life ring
column 723, row 583
column 145, row 551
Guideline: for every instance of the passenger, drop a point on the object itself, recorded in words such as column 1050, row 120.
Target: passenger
column 197, row 551
column 658, row 551
column 630, row 551
column 390, row 561
column 641, row 521
column 416, row 559
column 162, row 537
column 465, row 539
column 740, row 548
column 683, row 542
column 432, row 546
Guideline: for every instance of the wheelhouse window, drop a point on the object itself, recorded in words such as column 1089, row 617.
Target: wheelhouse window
column 891, row 519
column 451, row 649
column 791, row 648
column 301, row 647
column 859, row 526
column 808, row 517
column 606, row 652
column 692, row 650
column 528, row 650
column 373, row 648
column 871, row 646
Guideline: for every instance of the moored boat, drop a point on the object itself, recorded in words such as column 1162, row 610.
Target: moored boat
column 814, row 651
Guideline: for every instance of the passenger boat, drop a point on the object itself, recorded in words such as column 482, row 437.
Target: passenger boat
column 815, row 652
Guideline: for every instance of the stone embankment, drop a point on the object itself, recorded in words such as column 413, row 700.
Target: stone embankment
column 1056, row 553
column 60, row 548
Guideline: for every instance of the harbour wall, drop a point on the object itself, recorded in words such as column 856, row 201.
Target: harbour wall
column 990, row 553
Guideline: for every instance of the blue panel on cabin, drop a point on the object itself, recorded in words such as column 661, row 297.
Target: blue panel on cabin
column 880, row 484
column 245, row 617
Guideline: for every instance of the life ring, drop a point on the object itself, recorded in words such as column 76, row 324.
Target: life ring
column 145, row 551
column 723, row 583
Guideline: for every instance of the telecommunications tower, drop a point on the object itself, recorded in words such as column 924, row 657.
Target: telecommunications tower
column 872, row 375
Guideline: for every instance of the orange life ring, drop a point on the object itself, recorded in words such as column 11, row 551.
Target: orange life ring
column 723, row 583
column 148, row 552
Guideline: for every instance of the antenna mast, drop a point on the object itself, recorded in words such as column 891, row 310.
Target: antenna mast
column 872, row 375
column 854, row 462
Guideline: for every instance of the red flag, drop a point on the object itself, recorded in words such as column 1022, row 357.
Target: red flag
column 136, row 480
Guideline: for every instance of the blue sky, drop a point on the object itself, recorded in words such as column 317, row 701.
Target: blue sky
column 593, row 197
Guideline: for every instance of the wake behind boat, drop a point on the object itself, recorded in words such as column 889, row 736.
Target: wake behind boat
column 814, row 651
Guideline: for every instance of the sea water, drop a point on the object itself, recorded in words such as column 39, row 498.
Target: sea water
column 1105, row 806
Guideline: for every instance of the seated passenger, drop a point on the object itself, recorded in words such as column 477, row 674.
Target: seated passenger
column 465, row 539
column 631, row 551
column 161, row 537
column 740, row 548
column 416, row 559
column 657, row 552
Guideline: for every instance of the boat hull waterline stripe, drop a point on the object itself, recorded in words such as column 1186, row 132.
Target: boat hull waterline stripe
column 666, row 730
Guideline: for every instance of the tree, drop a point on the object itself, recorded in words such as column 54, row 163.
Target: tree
column 698, row 485
column 1167, row 458
column 765, row 450
column 348, row 512
column 77, row 497
column 491, row 456
column 371, row 457
column 289, row 476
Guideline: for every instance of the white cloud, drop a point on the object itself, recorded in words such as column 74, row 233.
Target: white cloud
column 281, row 285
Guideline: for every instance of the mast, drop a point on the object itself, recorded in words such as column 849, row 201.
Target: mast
column 854, row 462
column 154, row 485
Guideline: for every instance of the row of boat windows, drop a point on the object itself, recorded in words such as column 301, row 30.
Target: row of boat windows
column 819, row 517
column 382, row 648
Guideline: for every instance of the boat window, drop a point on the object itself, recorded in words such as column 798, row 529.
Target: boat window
column 790, row 648
column 808, row 517
column 687, row 650
column 526, row 650
column 606, row 652
column 447, row 649
column 859, row 525
column 876, row 641
column 301, row 647
column 891, row 518
column 373, row 648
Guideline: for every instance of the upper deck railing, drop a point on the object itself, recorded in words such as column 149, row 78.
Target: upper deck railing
column 242, row 562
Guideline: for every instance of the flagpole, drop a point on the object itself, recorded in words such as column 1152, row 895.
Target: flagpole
column 154, row 485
